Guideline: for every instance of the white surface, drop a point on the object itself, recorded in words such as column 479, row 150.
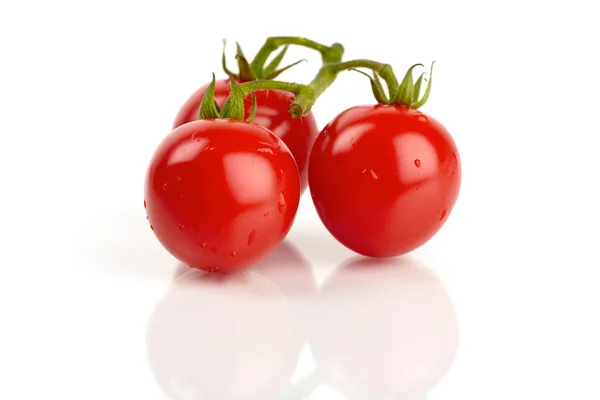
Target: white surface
column 89, row 307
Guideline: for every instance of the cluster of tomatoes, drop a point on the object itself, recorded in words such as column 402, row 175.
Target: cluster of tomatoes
column 222, row 193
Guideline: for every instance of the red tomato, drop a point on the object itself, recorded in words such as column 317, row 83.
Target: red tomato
column 384, row 178
column 272, row 112
column 221, row 194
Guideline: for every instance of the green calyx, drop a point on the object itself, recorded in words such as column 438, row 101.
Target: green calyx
column 232, row 109
column 407, row 93
column 249, row 71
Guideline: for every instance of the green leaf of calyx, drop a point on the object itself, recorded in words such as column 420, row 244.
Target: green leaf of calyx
column 234, row 105
column 376, row 87
column 275, row 74
column 224, row 62
column 406, row 91
column 246, row 73
column 272, row 66
column 209, row 108
column 253, row 109
column 417, row 91
column 427, row 90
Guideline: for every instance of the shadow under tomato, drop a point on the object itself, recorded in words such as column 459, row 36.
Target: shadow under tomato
column 122, row 244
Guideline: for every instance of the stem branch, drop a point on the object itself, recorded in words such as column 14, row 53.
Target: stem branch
column 329, row 54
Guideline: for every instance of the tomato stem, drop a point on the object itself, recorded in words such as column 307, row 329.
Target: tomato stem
column 263, row 84
column 329, row 54
column 384, row 70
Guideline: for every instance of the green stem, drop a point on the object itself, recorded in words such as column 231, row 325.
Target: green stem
column 384, row 70
column 329, row 54
column 307, row 96
column 251, row 86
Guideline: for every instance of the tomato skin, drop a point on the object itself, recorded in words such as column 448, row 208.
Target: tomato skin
column 384, row 178
column 298, row 134
column 221, row 194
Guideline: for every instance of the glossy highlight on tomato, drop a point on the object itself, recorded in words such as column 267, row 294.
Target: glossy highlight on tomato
column 221, row 194
column 384, row 178
column 298, row 134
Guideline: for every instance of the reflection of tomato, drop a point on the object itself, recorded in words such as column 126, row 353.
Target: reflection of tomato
column 228, row 337
column 384, row 329
column 221, row 194
column 384, row 179
column 272, row 112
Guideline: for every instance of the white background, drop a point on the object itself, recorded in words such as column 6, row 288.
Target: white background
column 88, row 89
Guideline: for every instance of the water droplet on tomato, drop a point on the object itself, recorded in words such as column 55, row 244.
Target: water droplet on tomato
column 202, row 245
column 233, row 255
column 418, row 163
column 165, row 186
column 422, row 118
column 181, row 197
column 147, row 218
column 282, row 203
column 178, row 179
column 363, row 171
column 144, row 203
column 251, row 237
column 374, row 175
column 151, row 227
column 444, row 214
column 266, row 215
column 181, row 227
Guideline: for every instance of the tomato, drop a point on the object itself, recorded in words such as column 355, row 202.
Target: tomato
column 384, row 178
column 221, row 194
column 272, row 112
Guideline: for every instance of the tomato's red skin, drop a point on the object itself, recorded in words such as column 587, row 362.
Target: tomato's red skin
column 384, row 178
column 221, row 194
column 298, row 134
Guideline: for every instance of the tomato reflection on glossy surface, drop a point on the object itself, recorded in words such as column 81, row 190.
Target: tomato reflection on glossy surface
column 272, row 112
column 221, row 194
column 384, row 329
column 228, row 337
column 384, row 179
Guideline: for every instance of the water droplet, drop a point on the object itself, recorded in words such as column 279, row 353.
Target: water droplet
column 151, row 227
column 418, row 163
column 282, row 203
column 202, row 245
column 209, row 148
column 148, row 218
column 165, row 186
column 266, row 215
column 178, row 179
column 144, row 203
column 422, row 118
column 213, row 249
column 181, row 227
column 444, row 214
column 353, row 143
column 251, row 237
column 233, row 255
column 363, row 171
column 374, row 175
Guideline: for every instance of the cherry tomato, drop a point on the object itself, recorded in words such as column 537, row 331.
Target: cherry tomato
column 272, row 112
column 384, row 179
column 221, row 194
